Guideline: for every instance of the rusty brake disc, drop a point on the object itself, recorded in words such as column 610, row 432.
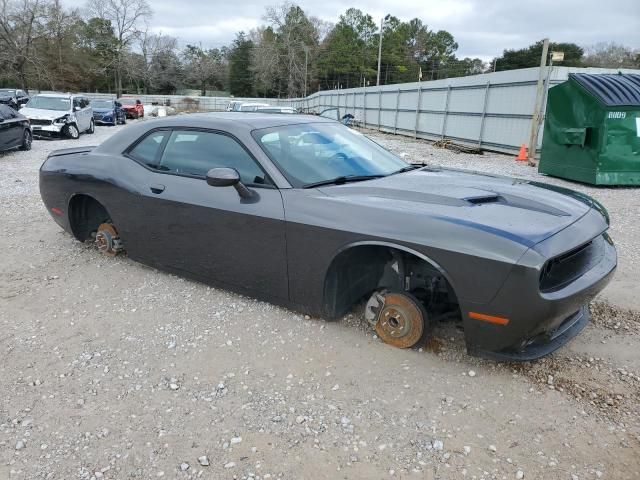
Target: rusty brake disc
column 401, row 321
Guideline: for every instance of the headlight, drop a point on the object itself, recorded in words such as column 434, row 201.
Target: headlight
column 62, row 119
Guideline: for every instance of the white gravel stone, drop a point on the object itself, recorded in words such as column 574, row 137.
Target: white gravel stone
column 229, row 464
column 519, row 475
column 203, row 460
column 472, row 373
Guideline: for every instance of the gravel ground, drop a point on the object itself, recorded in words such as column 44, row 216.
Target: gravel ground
column 623, row 203
column 114, row 370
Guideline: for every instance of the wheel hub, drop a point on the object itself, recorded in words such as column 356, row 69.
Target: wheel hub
column 107, row 239
column 400, row 320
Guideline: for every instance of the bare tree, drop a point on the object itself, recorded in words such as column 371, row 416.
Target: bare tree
column 264, row 59
column 59, row 47
column 151, row 46
column 125, row 17
column 297, row 38
column 204, row 67
column 21, row 24
column 611, row 55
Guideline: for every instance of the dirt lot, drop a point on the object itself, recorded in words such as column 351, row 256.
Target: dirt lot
column 114, row 370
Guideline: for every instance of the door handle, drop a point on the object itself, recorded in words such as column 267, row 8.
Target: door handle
column 157, row 188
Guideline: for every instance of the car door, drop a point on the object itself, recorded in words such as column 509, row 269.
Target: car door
column 5, row 130
column 119, row 111
column 87, row 112
column 211, row 232
column 22, row 98
column 10, row 127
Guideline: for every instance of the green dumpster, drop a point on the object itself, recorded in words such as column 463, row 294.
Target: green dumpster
column 592, row 130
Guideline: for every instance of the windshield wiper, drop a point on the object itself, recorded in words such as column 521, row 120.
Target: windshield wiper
column 408, row 168
column 342, row 179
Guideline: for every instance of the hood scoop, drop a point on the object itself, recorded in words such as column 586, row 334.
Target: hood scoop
column 482, row 200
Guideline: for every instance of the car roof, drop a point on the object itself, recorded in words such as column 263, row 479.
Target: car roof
column 241, row 120
column 231, row 122
column 58, row 95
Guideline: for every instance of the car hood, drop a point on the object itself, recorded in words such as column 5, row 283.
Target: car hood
column 523, row 211
column 129, row 107
column 40, row 114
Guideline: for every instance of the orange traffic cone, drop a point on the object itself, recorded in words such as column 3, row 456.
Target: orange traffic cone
column 522, row 155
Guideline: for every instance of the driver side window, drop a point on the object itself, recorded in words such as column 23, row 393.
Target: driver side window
column 192, row 152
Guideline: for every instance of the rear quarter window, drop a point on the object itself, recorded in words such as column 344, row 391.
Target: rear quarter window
column 148, row 150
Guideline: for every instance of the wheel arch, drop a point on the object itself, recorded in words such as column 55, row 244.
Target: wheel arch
column 332, row 305
column 85, row 214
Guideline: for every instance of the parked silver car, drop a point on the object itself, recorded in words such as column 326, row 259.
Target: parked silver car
column 59, row 114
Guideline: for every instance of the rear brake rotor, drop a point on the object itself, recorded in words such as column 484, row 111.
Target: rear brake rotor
column 401, row 321
column 107, row 239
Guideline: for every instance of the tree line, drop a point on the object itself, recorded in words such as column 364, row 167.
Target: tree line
column 109, row 46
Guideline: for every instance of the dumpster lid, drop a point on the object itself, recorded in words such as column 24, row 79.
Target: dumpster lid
column 611, row 89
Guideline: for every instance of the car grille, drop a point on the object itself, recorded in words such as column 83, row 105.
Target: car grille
column 560, row 271
column 35, row 121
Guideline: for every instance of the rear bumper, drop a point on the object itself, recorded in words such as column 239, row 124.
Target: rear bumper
column 538, row 322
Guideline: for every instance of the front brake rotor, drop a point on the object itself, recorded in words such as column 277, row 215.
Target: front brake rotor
column 107, row 239
column 401, row 321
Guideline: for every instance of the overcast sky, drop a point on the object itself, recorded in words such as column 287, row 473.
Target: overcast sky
column 482, row 28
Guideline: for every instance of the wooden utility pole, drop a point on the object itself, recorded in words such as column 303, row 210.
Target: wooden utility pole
column 537, row 109
column 380, row 50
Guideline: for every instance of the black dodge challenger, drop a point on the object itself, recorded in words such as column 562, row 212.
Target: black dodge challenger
column 304, row 212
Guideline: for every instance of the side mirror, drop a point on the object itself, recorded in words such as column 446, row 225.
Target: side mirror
column 227, row 177
column 76, row 109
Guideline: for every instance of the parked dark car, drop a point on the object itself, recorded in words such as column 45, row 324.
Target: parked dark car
column 108, row 112
column 15, row 131
column 304, row 212
column 13, row 97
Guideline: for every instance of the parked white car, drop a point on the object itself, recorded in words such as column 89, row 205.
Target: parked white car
column 59, row 114
column 232, row 105
column 249, row 106
column 274, row 109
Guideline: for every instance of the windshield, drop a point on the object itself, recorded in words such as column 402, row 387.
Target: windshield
column 127, row 101
column 4, row 91
column 311, row 153
column 101, row 103
column 50, row 103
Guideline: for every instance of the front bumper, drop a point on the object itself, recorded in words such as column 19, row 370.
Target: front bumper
column 53, row 129
column 104, row 119
column 540, row 322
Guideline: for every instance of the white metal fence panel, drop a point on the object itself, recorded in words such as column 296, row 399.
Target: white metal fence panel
column 492, row 110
